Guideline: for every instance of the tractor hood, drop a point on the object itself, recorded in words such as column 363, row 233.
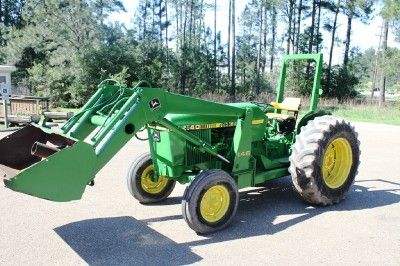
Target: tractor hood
column 193, row 120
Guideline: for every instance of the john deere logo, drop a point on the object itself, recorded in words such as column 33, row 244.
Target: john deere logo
column 154, row 104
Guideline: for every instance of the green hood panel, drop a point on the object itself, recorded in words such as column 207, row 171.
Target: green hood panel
column 201, row 119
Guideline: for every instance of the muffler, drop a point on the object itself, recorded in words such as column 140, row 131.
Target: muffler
column 42, row 150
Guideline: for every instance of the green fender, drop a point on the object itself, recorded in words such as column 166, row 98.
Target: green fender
column 310, row 116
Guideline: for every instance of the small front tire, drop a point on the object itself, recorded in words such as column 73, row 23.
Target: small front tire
column 210, row 201
column 141, row 185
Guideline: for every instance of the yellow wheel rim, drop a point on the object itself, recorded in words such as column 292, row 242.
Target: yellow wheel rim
column 147, row 183
column 337, row 163
column 215, row 203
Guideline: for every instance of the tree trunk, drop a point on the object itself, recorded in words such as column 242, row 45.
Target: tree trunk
column 184, row 26
column 348, row 37
column 294, row 26
column 160, row 21
column 373, row 83
column 328, row 79
column 289, row 32
column 244, row 76
column 260, row 31
column 272, row 51
column 298, row 26
column 178, row 29
column 166, row 24
column 184, row 52
column 191, row 22
column 233, row 82
column 215, row 44
column 200, row 28
column 384, row 50
column 318, row 24
column 264, row 63
column 1, row 20
column 166, row 34
column 311, row 43
column 101, row 6
column 229, row 38
column 145, row 19
column 181, row 24
column 153, row 23
column 218, row 66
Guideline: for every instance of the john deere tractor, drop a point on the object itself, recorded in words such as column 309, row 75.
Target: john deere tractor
column 215, row 148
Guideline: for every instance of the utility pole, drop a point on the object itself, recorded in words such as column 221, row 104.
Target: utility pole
column 375, row 69
column 384, row 50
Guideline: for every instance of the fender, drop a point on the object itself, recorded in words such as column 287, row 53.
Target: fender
column 310, row 116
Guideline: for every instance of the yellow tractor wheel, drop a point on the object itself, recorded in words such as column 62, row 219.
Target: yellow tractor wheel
column 142, row 184
column 210, row 201
column 324, row 160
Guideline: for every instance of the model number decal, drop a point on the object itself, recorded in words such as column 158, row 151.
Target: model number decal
column 244, row 154
column 209, row 126
column 257, row 121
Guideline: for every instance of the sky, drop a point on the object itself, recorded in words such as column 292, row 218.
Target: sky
column 364, row 35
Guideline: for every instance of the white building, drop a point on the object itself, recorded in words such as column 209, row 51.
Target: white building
column 5, row 75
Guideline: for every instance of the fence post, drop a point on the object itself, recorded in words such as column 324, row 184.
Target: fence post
column 38, row 107
column 5, row 112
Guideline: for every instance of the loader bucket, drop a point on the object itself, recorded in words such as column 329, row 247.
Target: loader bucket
column 43, row 164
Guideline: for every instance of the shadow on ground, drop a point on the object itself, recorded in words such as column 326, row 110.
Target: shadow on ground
column 125, row 240
column 259, row 208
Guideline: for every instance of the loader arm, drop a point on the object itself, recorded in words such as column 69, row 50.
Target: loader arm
column 144, row 106
column 70, row 159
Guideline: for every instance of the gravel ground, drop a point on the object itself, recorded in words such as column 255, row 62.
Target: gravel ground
column 272, row 225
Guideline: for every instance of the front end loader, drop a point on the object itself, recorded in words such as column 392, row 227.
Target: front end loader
column 215, row 148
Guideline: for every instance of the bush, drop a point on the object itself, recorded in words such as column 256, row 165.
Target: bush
column 341, row 85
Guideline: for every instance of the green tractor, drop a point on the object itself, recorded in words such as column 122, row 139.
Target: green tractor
column 215, row 148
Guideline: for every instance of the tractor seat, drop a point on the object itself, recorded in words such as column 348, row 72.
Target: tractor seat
column 278, row 116
column 290, row 105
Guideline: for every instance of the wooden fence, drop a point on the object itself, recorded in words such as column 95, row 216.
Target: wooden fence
column 26, row 105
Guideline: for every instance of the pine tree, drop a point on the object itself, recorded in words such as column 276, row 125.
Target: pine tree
column 334, row 8
column 232, row 91
column 355, row 9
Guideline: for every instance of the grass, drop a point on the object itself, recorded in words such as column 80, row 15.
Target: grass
column 363, row 110
column 351, row 110
column 367, row 113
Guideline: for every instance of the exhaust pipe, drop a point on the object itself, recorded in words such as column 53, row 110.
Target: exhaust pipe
column 42, row 150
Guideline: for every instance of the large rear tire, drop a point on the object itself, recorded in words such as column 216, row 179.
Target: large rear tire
column 141, row 185
column 210, row 201
column 324, row 160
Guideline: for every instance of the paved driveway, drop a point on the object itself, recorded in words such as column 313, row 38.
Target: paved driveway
column 272, row 225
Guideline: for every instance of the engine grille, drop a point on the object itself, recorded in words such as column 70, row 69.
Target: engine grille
column 192, row 154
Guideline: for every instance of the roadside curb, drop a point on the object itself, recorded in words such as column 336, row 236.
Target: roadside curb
column 10, row 129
